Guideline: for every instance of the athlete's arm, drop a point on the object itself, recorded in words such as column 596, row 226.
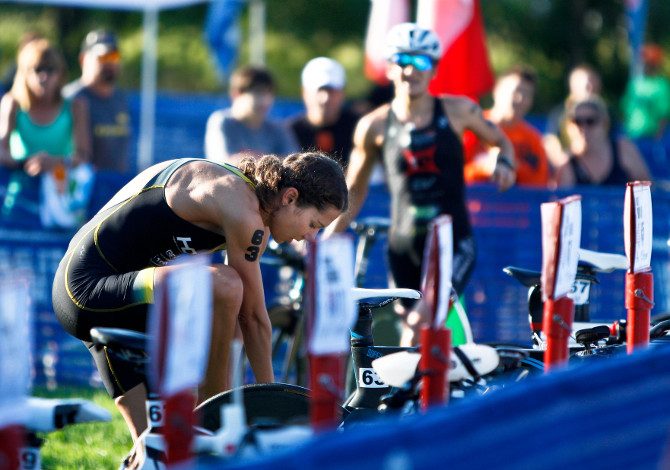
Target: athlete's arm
column 246, row 241
column 364, row 155
column 210, row 197
column 464, row 114
column 8, row 108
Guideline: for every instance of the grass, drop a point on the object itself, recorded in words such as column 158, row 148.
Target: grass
column 85, row 446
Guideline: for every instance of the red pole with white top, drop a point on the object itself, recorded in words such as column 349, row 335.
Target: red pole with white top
column 639, row 279
column 331, row 313
column 435, row 338
column 180, row 326
column 561, row 232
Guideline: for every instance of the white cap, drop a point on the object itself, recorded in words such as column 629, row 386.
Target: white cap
column 323, row 72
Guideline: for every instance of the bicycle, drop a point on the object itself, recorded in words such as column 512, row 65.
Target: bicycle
column 588, row 339
column 278, row 404
column 286, row 315
column 372, row 396
column 227, row 433
column 270, row 410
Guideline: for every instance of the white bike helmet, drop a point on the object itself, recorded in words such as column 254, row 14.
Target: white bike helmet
column 413, row 39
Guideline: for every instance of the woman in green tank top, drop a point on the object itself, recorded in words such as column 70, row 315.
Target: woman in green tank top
column 39, row 131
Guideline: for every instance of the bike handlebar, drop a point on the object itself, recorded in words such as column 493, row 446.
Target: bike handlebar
column 370, row 225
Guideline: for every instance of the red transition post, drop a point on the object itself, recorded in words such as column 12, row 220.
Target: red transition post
column 11, row 441
column 327, row 382
column 557, row 326
column 435, row 353
column 639, row 301
column 178, row 428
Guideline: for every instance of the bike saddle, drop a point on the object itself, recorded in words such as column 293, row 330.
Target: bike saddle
column 376, row 298
column 602, row 262
column 119, row 338
column 590, row 336
column 530, row 277
column 527, row 277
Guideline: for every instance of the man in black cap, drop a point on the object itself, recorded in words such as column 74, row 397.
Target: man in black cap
column 108, row 107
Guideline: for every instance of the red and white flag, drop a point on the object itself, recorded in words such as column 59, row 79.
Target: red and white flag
column 464, row 68
column 384, row 14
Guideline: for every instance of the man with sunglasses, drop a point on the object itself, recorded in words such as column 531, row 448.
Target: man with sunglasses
column 108, row 108
column 418, row 139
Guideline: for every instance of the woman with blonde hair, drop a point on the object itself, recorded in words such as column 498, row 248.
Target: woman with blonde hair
column 40, row 132
column 593, row 156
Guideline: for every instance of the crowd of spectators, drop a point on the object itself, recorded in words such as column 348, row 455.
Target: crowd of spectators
column 49, row 130
column 55, row 137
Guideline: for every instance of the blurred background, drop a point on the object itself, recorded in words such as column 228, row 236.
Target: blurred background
column 550, row 35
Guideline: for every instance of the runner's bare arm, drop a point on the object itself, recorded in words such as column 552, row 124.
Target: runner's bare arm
column 8, row 108
column 367, row 142
column 466, row 114
column 246, row 241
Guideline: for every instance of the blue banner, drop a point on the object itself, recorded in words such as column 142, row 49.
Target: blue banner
column 222, row 33
column 636, row 14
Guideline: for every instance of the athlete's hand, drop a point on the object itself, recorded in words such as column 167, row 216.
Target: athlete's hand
column 40, row 162
column 504, row 174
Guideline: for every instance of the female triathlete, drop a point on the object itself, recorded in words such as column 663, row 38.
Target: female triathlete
column 186, row 206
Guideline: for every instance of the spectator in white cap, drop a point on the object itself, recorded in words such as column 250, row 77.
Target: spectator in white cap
column 327, row 124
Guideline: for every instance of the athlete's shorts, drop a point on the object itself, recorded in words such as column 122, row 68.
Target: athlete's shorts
column 87, row 292
column 405, row 265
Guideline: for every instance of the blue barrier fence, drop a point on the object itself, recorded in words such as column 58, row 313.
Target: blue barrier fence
column 507, row 231
column 605, row 414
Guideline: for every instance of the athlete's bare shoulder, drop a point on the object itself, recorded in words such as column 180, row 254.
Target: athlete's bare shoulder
column 210, row 195
column 462, row 112
column 370, row 127
column 460, row 105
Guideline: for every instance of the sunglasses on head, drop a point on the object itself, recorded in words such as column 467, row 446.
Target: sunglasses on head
column 586, row 121
column 422, row 63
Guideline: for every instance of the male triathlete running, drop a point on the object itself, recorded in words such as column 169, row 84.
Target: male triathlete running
column 108, row 273
column 418, row 139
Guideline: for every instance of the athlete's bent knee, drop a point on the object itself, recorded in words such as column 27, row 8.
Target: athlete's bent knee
column 227, row 285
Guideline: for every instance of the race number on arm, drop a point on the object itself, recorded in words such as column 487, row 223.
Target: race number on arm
column 246, row 241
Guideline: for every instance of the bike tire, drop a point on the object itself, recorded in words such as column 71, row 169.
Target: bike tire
column 265, row 404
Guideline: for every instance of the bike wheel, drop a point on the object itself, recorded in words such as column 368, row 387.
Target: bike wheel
column 265, row 404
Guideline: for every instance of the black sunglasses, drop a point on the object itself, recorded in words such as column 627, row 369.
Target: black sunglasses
column 48, row 69
column 586, row 121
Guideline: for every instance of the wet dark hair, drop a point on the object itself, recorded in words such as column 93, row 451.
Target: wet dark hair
column 318, row 178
